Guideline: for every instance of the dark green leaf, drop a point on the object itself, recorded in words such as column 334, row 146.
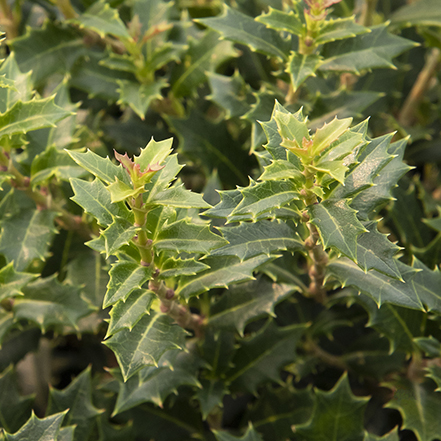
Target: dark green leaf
column 178, row 196
column 338, row 415
column 250, row 435
column 423, row 13
column 210, row 395
column 283, row 21
column 145, row 343
column 12, row 282
column 301, row 67
column 339, row 29
column 27, row 236
column 246, row 302
column 181, row 267
column 238, row 27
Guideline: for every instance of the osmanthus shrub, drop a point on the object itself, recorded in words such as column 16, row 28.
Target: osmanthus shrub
column 299, row 301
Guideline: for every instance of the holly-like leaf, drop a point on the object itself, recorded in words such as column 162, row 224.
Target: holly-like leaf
column 261, row 198
column 12, row 282
column 261, row 357
column 125, row 277
column 6, row 324
column 102, row 19
column 301, row 67
column 391, row 436
column 217, row 350
column 51, row 304
column 154, row 384
column 139, row 96
column 54, row 163
column 281, row 169
column 210, row 395
column 14, row 409
column 94, row 198
column 27, row 236
column 246, row 302
column 283, row 21
column 37, row 429
column 378, row 286
column 338, row 415
column 23, row 117
column 119, row 233
column 278, row 409
column 102, row 168
column 434, row 372
column 228, row 93
column 251, row 239
column 339, row 29
column 367, row 51
column 250, row 435
column 178, row 196
column 181, row 267
column 338, row 226
column 202, row 56
column 77, row 400
column 145, row 343
column 418, row 404
column 183, row 236
column 223, row 271
column 47, row 50
column 238, row 27
column 229, row 201
column 425, row 13
column 126, row 314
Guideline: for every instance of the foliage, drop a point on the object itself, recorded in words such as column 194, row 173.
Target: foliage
column 284, row 284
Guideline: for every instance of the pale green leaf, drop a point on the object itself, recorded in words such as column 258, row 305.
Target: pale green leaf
column 330, row 132
column 26, row 236
column 178, row 196
column 283, row 21
column 238, row 27
column 102, row 19
column 288, row 126
column 223, row 271
column 264, row 237
column 339, row 29
column 51, row 304
column 246, row 302
column 126, row 314
column 145, row 343
column 119, row 233
column 125, row 277
column 11, row 281
column 338, row 226
column 300, row 67
column 120, row 191
column 335, row 169
column 94, row 198
column 181, row 267
column 23, row 117
column 183, row 236
column 229, row 201
column 155, row 152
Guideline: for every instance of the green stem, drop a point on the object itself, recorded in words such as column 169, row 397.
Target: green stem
column 367, row 12
column 143, row 243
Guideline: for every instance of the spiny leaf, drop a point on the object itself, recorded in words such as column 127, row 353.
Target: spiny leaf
column 102, row 168
column 223, row 271
column 367, row 51
column 26, row 236
column 126, row 314
column 47, row 50
column 102, row 19
column 282, row 169
column 125, row 277
column 233, row 25
column 23, row 117
column 119, row 233
column 11, row 281
column 37, row 429
column 139, row 96
column 282, row 21
column 229, row 201
column 301, row 67
column 418, row 404
column 339, row 29
column 120, row 191
column 154, row 384
column 181, row 267
column 261, row 357
column 250, row 435
column 247, row 302
column 391, row 436
column 338, row 415
column 183, row 236
column 178, row 196
column 330, row 132
column 338, row 226
column 423, row 13
column 251, row 239
column 261, row 198
column 15, row 409
column 378, row 286
column 51, row 304
column 54, row 163
column 77, row 400
column 94, row 198
column 145, row 343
